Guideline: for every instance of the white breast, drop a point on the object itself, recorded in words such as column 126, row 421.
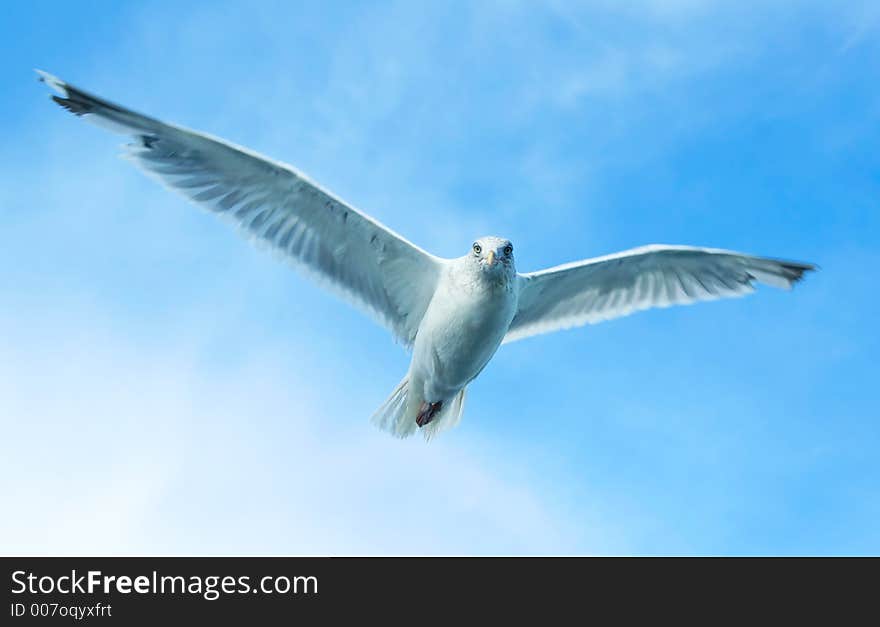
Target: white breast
column 462, row 328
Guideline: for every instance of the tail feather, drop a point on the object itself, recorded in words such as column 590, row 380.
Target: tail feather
column 394, row 416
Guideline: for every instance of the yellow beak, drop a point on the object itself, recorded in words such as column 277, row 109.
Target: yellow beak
column 491, row 257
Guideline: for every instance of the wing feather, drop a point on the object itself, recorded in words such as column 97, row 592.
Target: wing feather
column 617, row 285
column 277, row 206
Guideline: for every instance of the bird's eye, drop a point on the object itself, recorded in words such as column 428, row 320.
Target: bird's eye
column 477, row 249
column 508, row 249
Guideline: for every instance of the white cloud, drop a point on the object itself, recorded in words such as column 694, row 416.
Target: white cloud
column 115, row 445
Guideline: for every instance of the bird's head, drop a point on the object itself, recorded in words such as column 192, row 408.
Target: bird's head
column 493, row 255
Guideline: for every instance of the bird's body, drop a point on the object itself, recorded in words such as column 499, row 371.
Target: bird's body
column 452, row 313
column 463, row 326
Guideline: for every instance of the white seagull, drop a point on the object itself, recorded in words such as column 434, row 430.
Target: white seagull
column 452, row 313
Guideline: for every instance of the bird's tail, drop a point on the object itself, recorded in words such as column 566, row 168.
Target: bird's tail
column 395, row 415
column 392, row 415
column 448, row 417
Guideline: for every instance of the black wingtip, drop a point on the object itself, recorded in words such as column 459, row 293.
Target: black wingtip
column 51, row 80
column 66, row 99
column 796, row 271
column 76, row 107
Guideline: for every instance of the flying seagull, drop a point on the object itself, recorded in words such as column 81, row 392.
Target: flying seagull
column 452, row 313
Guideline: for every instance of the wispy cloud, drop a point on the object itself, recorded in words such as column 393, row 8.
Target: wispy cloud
column 150, row 450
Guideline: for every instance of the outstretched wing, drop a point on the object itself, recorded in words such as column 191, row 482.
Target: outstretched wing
column 617, row 285
column 274, row 204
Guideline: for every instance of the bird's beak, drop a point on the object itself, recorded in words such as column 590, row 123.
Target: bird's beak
column 491, row 257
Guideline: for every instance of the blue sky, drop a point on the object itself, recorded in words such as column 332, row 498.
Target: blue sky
column 165, row 388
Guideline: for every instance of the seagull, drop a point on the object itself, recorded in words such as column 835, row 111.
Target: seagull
column 453, row 314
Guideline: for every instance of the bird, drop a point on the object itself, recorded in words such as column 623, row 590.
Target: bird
column 452, row 314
